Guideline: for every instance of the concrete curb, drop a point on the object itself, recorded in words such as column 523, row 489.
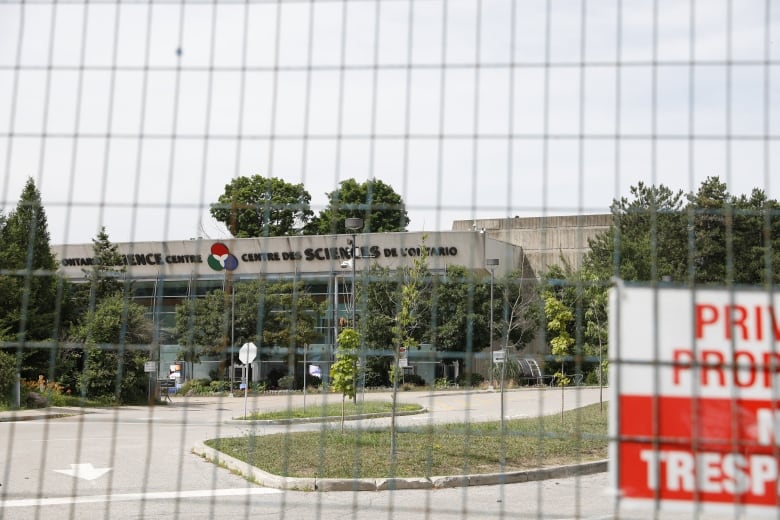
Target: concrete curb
column 39, row 414
column 330, row 418
column 266, row 479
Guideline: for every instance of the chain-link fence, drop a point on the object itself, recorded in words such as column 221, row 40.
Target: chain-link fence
column 407, row 259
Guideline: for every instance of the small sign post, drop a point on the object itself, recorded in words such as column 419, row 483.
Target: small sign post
column 247, row 354
column 694, row 418
column 149, row 368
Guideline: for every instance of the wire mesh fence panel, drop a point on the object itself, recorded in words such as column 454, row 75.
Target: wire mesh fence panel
column 407, row 259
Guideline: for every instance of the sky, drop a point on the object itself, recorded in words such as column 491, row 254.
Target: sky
column 135, row 116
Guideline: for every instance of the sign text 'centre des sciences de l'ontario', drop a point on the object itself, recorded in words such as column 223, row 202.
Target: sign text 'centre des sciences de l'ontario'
column 220, row 257
column 695, row 378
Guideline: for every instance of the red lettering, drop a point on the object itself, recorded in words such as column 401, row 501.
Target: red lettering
column 705, row 315
column 774, row 320
column 771, row 367
column 707, row 367
column 751, row 368
column 736, row 319
column 679, row 364
column 740, row 322
column 740, row 368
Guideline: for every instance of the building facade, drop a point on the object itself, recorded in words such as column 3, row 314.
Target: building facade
column 165, row 274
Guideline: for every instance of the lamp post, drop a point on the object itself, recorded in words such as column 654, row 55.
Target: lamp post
column 353, row 224
column 491, row 263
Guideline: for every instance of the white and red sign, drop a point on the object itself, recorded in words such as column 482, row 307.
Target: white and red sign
column 695, row 378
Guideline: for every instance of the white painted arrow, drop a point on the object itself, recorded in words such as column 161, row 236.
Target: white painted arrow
column 85, row 471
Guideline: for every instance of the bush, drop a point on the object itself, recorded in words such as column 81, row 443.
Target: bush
column 311, row 382
column 593, row 377
column 377, row 370
column 7, row 374
column 286, row 383
column 195, row 386
column 260, row 386
column 219, row 386
column 441, row 382
column 472, row 379
column 414, row 379
column 273, row 377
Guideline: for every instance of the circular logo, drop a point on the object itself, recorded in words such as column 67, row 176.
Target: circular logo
column 221, row 258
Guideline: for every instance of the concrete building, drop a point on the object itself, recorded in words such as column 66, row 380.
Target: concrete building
column 545, row 241
column 165, row 274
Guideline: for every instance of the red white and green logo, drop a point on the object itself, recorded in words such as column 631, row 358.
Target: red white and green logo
column 221, row 258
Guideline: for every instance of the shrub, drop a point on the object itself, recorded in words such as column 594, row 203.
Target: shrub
column 472, row 379
column 195, row 386
column 311, row 382
column 414, row 379
column 273, row 377
column 287, row 383
column 7, row 374
column 219, row 386
column 441, row 382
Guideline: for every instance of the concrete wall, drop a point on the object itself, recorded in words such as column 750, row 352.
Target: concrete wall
column 544, row 240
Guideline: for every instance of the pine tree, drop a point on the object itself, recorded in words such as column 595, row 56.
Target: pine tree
column 29, row 288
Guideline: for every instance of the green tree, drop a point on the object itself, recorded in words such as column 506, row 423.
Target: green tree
column 559, row 316
column 644, row 242
column 709, row 236
column 756, row 240
column 203, row 325
column 735, row 239
column 461, row 310
column 30, row 291
column 260, row 206
column 115, row 337
column 380, row 207
column 267, row 313
column 106, row 278
column 408, row 322
column 344, row 371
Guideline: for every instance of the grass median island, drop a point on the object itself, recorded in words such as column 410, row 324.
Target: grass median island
column 453, row 449
column 333, row 411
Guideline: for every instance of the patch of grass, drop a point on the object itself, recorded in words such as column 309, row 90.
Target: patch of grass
column 333, row 410
column 452, row 449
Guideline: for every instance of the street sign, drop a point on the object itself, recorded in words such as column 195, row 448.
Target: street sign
column 247, row 353
column 695, row 422
column 150, row 366
column 499, row 356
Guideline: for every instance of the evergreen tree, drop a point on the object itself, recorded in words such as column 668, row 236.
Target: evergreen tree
column 106, row 276
column 30, row 289
column 114, row 364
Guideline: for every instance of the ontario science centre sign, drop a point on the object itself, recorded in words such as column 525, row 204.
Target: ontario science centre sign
column 282, row 255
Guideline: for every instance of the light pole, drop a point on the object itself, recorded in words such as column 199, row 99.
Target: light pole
column 353, row 224
column 491, row 263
